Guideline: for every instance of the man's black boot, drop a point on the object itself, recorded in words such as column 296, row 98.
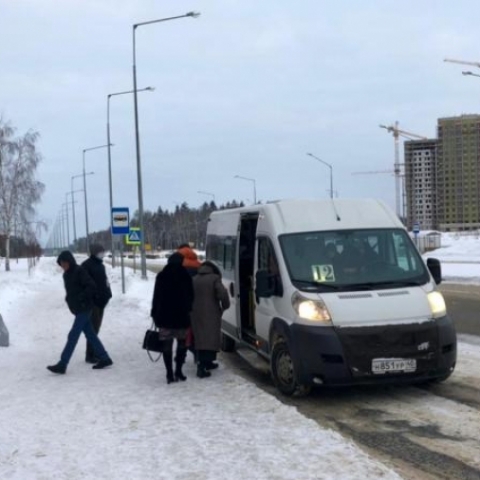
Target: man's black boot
column 57, row 368
column 202, row 372
column 211, row 366
column 106, row 362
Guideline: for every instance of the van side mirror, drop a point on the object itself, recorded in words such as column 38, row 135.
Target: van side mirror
column 435, row 268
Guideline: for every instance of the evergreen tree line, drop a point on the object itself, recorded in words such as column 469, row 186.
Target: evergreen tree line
column 164, row 229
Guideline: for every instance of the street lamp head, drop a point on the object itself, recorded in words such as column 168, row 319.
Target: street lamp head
column 150, row 89
column 467, row 73
column 193, row 14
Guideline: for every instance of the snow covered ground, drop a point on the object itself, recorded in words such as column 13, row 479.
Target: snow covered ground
column 127, row 423
column 460, row 257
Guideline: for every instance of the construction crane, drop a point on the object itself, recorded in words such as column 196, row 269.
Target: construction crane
column 392, row 173
column 373, row 172
column 397, row 133
column 462, row 62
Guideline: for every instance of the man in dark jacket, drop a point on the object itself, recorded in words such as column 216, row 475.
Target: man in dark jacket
column 171, row 306
column 80, row 290
column 96, row 269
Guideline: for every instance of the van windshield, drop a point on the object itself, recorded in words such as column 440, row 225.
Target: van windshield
column 351, row 260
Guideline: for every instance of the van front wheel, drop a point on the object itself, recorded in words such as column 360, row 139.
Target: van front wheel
column 283, row 371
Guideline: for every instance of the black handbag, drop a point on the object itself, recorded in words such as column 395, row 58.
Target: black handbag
column 152, row 343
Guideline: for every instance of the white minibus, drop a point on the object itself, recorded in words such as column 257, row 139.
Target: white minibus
column 331, row 292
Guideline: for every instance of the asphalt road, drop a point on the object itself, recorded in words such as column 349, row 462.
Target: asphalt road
column 463, row 306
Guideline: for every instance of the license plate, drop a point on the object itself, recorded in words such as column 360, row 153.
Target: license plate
column 386, row 365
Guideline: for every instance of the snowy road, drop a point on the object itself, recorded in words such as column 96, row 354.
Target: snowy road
column 423, row 433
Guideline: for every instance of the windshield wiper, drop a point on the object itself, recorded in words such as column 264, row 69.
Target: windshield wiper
column 360, row 286
column 312, row 283
column 386, row 284
column 400, row 283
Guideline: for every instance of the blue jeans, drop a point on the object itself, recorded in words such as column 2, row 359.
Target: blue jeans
column 83, row 324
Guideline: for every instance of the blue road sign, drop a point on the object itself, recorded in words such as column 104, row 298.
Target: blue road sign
column 120, row 221
column 416, row 228
column 134, row 237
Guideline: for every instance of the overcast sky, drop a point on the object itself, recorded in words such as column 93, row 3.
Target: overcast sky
column 246, row 89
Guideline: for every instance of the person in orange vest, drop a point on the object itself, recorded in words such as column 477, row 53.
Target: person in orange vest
column 190, row 259
column 192, row 264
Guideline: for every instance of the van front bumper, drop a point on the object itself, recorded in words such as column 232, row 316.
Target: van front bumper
column 343, row 356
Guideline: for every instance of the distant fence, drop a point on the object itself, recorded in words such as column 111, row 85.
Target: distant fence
column 428, row 242
column 467, row 234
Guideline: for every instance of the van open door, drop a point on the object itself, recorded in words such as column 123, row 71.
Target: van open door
column 246, row 260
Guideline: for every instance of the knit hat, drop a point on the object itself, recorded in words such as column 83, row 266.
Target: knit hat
column 66, row 256
column 96, row 248
column 175, row 258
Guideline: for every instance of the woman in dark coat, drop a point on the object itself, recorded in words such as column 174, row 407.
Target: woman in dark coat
column 211, row 299
column 171, row 307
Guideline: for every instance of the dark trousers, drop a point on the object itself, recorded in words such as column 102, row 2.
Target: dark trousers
column 205, row 357
column 96, row 321
column 83, row 324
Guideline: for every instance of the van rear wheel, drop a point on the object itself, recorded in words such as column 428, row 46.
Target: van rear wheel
column 283, row 371
column 227, row 343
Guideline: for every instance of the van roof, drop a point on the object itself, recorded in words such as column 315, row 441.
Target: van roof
column 290, row 216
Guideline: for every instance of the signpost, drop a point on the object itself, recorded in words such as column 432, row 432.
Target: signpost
column 120, row 226
column 134, row 238
column 416, row 231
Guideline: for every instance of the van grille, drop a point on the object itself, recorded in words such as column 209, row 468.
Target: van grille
column 362, row 345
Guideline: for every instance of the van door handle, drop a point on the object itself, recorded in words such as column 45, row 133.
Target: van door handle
column 231, row 288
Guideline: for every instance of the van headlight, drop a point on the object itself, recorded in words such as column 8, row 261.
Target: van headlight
column 437, row 304
column 313, row 310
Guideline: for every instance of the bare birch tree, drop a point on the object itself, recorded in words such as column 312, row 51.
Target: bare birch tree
column 20, row 191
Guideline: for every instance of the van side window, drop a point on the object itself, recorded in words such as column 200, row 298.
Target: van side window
column 267, row 261
column 221, row 251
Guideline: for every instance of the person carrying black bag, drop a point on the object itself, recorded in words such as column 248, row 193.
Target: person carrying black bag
column 96, row 269
column 171, row 306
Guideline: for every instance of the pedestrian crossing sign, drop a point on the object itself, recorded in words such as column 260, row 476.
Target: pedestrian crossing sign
column 134, row 237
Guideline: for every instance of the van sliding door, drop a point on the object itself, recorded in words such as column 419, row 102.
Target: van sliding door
column 246, row 258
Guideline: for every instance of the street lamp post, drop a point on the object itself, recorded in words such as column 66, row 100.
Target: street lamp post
column 137, row 137
column 254, row 186
column 68, row 220
column 72, row 202
column 331, row 171
column 85, row 190
column 150, row 89
column 207, row 193
column 72, row 193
